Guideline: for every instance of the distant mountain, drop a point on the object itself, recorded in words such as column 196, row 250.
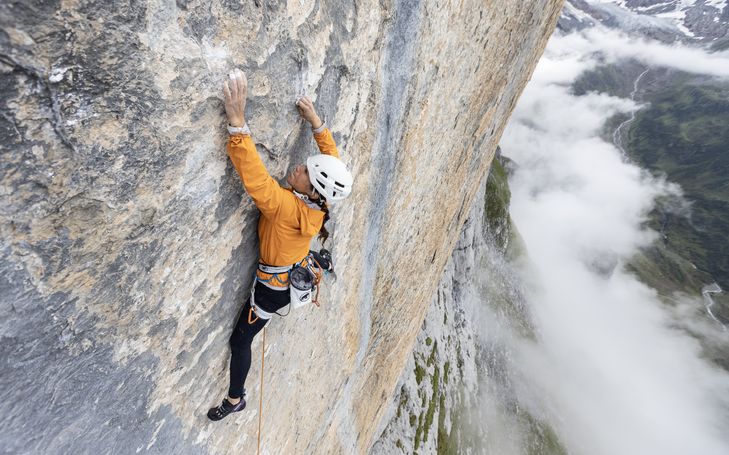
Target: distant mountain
column 681, row 132
column 703, row 21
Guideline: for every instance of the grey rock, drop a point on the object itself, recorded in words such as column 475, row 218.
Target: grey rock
column 128, row 243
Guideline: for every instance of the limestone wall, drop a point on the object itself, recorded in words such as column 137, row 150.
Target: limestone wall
column 128, row 242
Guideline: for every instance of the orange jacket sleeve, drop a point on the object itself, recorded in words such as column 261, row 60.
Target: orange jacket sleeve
column 326, row 144
column 263, row 189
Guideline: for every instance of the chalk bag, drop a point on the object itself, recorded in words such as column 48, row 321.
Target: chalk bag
column 301, row 286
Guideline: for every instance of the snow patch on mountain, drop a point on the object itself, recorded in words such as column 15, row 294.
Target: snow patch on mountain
column 693, row 20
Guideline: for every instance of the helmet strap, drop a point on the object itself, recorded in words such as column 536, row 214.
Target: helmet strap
column 311, row 203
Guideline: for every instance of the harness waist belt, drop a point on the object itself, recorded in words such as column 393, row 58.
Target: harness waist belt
column 278, row 278
column 273, row 268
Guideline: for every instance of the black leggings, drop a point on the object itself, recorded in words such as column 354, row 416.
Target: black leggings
column 243, row 334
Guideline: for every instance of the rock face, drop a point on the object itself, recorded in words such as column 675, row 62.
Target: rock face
column 128, row 242
column 459, row 392
column 440, row 383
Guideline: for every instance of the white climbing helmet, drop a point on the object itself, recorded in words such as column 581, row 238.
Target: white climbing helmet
column 330, row 177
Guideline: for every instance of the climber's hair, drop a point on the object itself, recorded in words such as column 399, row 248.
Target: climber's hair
column 323, row 233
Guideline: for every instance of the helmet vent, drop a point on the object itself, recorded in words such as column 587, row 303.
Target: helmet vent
column 324, row 174
column 339, row 184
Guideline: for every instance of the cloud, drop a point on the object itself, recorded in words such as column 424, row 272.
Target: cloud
column 613, row 46
column 609, row 368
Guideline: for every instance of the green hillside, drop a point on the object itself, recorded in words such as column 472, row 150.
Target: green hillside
column 684, row 133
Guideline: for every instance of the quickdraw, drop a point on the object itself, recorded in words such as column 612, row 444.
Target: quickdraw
column 317, row 278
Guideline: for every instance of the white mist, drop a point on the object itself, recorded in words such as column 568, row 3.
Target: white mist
column 609, row 370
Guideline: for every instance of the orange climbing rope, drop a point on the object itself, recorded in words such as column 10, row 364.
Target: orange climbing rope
column 260, row 402
column 317, row 280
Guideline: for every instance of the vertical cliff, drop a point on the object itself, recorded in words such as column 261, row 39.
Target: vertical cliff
column 461, row 391
column 128, row 242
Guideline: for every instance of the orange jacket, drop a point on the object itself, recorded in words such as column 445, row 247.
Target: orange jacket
column 286, row 225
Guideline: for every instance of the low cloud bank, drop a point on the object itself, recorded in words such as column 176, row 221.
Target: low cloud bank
column 614, row 46
column 609, row 370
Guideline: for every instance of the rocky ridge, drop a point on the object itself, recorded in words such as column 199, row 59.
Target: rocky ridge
column 692, row 21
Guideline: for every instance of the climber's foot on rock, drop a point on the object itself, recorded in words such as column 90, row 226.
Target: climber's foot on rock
column 225, row 408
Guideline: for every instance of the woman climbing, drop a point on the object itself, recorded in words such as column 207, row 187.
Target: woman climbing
column 290, row 218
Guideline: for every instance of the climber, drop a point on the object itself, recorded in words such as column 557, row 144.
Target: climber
column 290, row 218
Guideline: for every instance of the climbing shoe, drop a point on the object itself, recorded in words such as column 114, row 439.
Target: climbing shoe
column 226, row 408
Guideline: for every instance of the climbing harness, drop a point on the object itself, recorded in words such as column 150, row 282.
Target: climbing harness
column 275, row 281
column 302, row 280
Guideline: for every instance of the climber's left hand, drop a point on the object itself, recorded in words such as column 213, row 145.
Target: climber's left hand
column 235, row 90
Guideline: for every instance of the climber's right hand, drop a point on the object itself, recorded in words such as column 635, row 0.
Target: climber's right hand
column 307, row 111
column 235, row 90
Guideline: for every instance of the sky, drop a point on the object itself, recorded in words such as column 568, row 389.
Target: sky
column 610, row 370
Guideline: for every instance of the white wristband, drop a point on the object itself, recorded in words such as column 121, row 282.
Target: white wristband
column 321, row 128
column 239, row 129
